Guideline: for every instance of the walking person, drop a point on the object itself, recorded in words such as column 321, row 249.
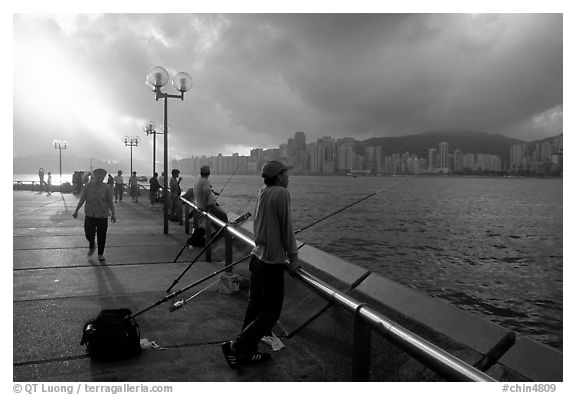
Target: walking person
column 49, row 185
column 118, row 186
column 110, row 182
column 175, row 202
column 98, row 199
column 206, row 197
column 41, row 177
column 133, row 184
column 275, row 242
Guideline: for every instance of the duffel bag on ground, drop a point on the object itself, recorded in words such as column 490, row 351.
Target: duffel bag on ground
column 112, row 336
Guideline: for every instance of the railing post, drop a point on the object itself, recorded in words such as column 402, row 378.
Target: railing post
column 228, row 251
column 361, row 348
column 186, row 219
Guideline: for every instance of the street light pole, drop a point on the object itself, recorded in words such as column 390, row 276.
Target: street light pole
column 131, row 141
column 157, row 78
column 60, row 145
column 150, row 128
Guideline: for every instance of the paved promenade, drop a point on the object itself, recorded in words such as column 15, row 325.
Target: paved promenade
column 57, row 288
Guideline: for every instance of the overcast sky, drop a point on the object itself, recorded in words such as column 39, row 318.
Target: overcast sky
column 258, row 78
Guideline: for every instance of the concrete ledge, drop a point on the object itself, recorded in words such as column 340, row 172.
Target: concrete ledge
column 335, row 267
column 529, row 359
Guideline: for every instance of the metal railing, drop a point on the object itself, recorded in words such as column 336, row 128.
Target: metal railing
column 367, row 320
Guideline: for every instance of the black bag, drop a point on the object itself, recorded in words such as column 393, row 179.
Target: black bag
column 111, row 336
column 198, row 238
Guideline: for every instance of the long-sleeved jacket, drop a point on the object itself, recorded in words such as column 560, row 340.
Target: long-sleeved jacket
column 273, row 233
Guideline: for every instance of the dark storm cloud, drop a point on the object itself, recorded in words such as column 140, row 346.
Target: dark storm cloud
column 258, row 78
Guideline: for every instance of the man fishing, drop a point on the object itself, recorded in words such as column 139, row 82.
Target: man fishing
column 275, row 241
column 206, row 197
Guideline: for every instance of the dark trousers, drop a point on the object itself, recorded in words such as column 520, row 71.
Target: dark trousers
column 96, row 227
column 264, row 304
column 118, row 192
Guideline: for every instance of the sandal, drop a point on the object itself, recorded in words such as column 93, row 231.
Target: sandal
column 231, row 357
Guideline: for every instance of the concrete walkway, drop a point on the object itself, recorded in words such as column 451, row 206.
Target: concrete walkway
column 57, row 288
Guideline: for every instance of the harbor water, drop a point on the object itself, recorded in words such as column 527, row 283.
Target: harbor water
column 490, row 246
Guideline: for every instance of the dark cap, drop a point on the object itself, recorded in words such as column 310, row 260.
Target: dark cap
column 205, row 170
column 101, row 172
column 273, row 168
column 175, row 172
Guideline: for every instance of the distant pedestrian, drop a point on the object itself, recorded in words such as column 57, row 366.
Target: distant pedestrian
column 206, row 197
column 110, row 182
column 154, row 188
column 118, row 187
column 133, row 184
column 175, row 202
column 98, row 199
column 275, row 243
column 49, row 185
column 41, row 177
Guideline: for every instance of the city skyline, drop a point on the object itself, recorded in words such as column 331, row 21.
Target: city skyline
column 330, row 156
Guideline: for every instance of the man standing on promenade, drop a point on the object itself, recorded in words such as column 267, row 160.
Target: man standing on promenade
column 98, row 199
column 118, row 186
column 41, row 176
column 154, row 188
column 275, row 242
column 175, row 202
column 133, row 184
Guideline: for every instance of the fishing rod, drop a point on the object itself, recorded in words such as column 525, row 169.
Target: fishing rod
column 212, row 240
column 229, row 178
column 179, row 304
column 176, row 293
column 352, row 204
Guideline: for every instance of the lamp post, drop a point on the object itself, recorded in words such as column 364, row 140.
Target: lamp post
column 157, row 78
column 130, row 141
column 150, row 128
column 60, row 145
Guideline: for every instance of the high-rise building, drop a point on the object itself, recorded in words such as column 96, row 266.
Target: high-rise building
column 518, row 160
column 458, row 165
column 299, row 141
column 443, row 155
column 329, row 155
column 432, row 153
column 346, row 157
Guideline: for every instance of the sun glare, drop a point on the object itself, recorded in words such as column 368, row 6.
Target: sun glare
column 56, row 93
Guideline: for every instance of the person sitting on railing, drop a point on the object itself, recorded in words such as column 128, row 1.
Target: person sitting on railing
column 206, row 197
column 275, row 241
